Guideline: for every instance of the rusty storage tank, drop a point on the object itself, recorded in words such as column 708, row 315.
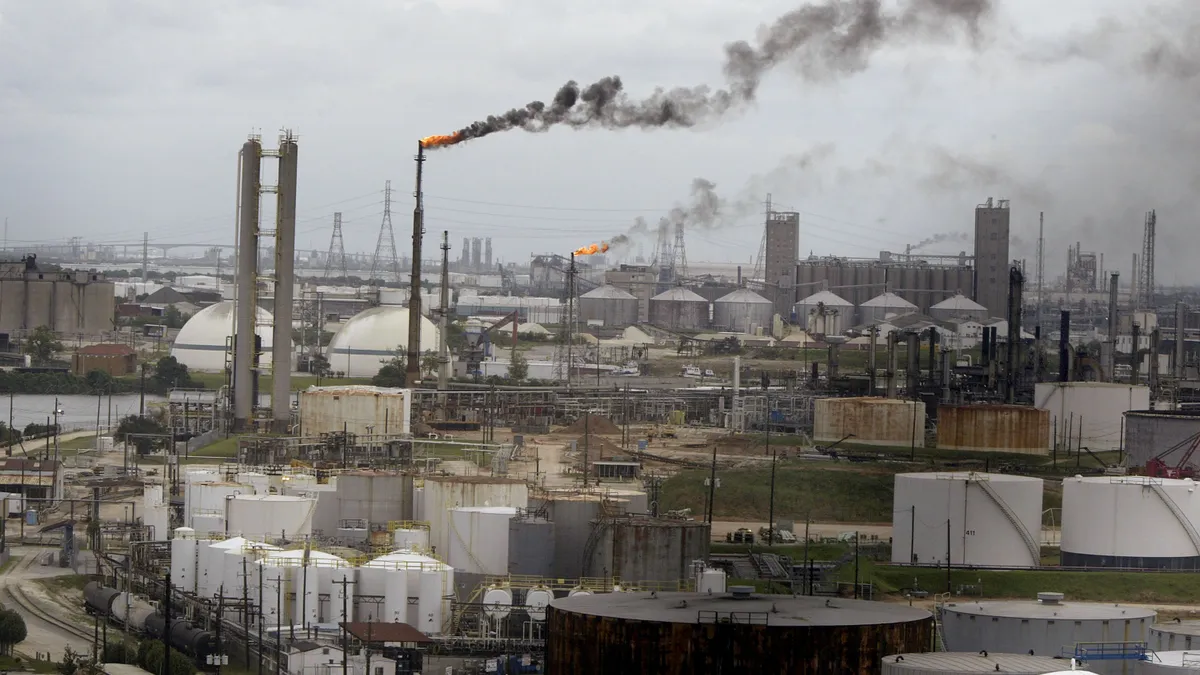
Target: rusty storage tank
column 743, row 310
column 679, row 309
column 634, row 549
column 962, row 663
column 1004, row 428
column 609, row 305
column 1150, row 432
column 870, row 420
column 734, row 632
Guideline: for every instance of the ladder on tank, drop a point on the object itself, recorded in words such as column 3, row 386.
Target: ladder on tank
column 1035, row 549
column 1184, row 521
column 939, row 641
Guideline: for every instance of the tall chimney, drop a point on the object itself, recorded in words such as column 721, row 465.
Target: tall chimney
column 246, row 289
column 285, row 277
column 1135, row 359
column 1064, row 347
column 1110, row 364
column 1180, row 321
column 1012, row 365
column 412, row 366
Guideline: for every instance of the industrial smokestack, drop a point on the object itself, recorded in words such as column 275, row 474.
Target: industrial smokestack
column 1064, row 347
column 1110, row 360
column 913, row 369
column 285, row 265
column 1135, row 358
column 1180, row 321
column 412, row 365
column 1012, row 365
column 246, row 279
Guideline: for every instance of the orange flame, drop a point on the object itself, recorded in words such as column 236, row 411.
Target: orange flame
column 592, row 249
column 441, row 141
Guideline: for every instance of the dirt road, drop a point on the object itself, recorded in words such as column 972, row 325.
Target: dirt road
column 43, row 635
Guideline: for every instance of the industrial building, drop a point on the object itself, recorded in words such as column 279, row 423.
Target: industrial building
column 1130, row 522
column 679, row 308
column 986, row 519
column 782, row 248
column 608, row 306
column 823, row 313
column 991, row 255
column 923, row 281
column 744, row 311
column 65, row 301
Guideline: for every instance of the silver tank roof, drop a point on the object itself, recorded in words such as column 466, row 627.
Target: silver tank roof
column 971, row 662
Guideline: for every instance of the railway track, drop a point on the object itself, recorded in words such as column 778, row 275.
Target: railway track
column 30, row 608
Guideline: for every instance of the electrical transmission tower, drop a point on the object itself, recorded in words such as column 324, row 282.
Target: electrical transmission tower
column 760, row 261
column 336, row 260
column 385, row 248
column 678, row 255
column 1146, row 284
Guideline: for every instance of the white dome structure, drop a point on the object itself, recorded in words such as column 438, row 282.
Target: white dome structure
column 372, row 337
column 883, row 306
column 958, row 307
column 203, row 341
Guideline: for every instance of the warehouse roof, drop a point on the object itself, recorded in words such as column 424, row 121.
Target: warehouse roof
column 376, row 631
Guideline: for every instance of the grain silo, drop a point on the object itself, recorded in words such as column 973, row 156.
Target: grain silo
column 679, row 308
column 743, row 311
column 610, row 306
column 737, row 631
column 1045, row 626
column 1149, row 433
column 869, row 421
column 884, row 306
column 1130, row 522
column 958, row 307
column 994, row 428
column 988, row 520
column 824, row 313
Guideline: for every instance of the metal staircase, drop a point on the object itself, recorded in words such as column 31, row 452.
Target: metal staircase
column 1035, row 549
column 939, row 642
column 1193, row 535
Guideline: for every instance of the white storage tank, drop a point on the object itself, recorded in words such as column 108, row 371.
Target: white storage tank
column 310, row 574
column 497, row 603
column 679, row 308
column 1175, row 635
column 372, row 336
column 871, row 421
column 608, row 305
column 414, row 539
column 1170, row 663
column 1098, row 406
column 270, row 516
column 1047, row 625
column 354, row 408
column 261, row 482
column 479, row 539
column 202, row 342
column 206, row 501
column 210, row 567
column 743, row 311
column 443, row 493
column 994, row 519
column 536, row 601
column 962, row 663
column 824, row 313
column 155, row 512
column 1130, row 521
column 240, row 562
column 183, row 559
column 429, row 587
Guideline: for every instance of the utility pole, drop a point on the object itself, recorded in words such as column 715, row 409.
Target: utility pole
column 444, row 320
column 712, row 486
column 217, row 657
column 145, row 258
column 166, row 635
column 766, row 383
column 345, row 584
column 260, row 621
column 1041, row 267
column 385, row 246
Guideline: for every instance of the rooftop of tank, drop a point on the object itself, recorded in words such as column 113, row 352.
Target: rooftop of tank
column 1140, row 481
column 502, row 510
column 1176, row 659
column 963, row 475
column 1190, row 627
column 272, row 498
column 973, row 662
column 874, row 400
column 783, row 610
column 651, row 521
column 351, row 389
column 482, row 480
column 407, row 557
column 1091, row 384
column 1034, row 609
column 1187, row 413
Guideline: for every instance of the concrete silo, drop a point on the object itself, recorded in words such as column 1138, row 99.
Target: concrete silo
column 679, row 308
column 743, row 310
column 609, row 305
column 824, row 313
column 882, row 306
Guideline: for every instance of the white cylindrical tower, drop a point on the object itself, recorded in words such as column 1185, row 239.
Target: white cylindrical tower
column 395, row 597
column 430, row 600
column 1131, row 521
column 306, row 581
column 415, row 539
column 183, row 559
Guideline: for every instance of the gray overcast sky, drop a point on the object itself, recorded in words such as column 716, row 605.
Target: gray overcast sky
column 124, row 116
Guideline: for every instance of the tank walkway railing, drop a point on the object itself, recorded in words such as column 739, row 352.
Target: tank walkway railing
column 939, row 639
column 1180, row 516
column 1035, row 549
column 1109, row 651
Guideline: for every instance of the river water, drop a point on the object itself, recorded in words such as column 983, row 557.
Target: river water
column 78, row 412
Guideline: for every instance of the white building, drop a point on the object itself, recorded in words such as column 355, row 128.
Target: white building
column 310, row 658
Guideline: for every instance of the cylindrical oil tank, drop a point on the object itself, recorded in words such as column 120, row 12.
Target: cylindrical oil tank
column 261, row 516
column 433, row 600
column 679, row 309
column 824, row 313
column 636, row 501
column 479, row 539
column 642, row 549
column 572, row 515
column 742, row 311
column 373, row 579
column 1045, row 625
column 1090, row 409
column 416, row 538
column 209, row 525
column 958, row 306
column 261, row 482
column 210, row 569
column 882, row 307
column 208, row 499
column 1130, row 521
column 994, row 428
column 497, row 603
column 1149, row 433
column 530, row 546
column 306, row 582
column 181, row 633
column 610, row 306
column 994, row 519
column 99, row 599
column 183, row 559
column 961, row 663
column 138, row 616
column 378, row 497
column 356, row 349
column 418, row 503
column 871, row 421
column 238, row 563
column 1169, row 663
column 1175, row 635
column 443, row 493
column 156, row 624
column 676, row 633
column 395, row 596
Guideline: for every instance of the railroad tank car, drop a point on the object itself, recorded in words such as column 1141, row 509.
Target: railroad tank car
column 99, row 599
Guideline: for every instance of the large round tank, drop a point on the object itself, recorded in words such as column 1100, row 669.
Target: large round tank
column 372, row 336
column 824, row 313
column 610, row 306
column 497, row 603
column 202, row 342
column 261, row 482
column 635, row 634
column 1149, row 433
column 1169, row 663
column 958, row 306
column 309, row 575
column 679, row 309
column 871, row 421
column 1097, row 406
column 261, row 516
column 206, row 503
column 884, row 306
column 530, row 546
column 1046, row 625
column 536, row 602
column 743, row 311
column 415, row 539
column 1175, row 635
column 994, row 428
column 442, row 493
column 633, row 501
column 1130, row 521
column 995, row 519
column 572, row 514
column 183, row 559
column 479, row 539
column 961, row 663
column 642, row 549
column 433, row 601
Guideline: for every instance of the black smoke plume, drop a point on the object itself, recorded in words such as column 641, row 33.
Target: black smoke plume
column 823, row 40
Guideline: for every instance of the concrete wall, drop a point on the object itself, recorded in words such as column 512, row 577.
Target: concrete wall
column 66, row 302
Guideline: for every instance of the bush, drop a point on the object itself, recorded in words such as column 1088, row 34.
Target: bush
column 12, row 630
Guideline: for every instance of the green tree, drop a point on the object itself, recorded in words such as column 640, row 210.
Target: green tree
column 169, row 373
column 12, row 630
column 518, row 369
column 392, row 372
column 151, row 659
column 134, row 424
column 430, row 363
column 72, row 662
column 42, row 345
column 319, row 366
column 99, row 381
column 173, row 318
